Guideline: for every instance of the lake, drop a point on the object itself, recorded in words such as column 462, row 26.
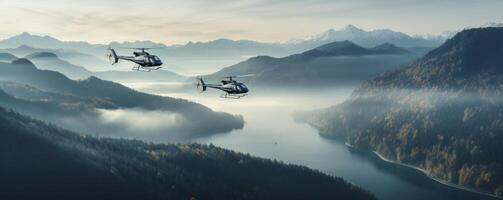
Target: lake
column 271, row 132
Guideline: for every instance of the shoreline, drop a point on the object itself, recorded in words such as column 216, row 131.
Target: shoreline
column 443, row 182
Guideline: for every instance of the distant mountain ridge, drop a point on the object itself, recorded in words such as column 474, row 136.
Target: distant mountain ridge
column 91, row 62
column 228, row 47
column 336, row 63
column 348, row 48
column 41, row 55
column 204, row 57
column 441, row 112
column 42, row 42
column 368, row 38
column 388, row 48
column 350, row 32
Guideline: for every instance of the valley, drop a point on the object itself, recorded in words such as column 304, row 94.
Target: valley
column 133, row 109
column 270, row 131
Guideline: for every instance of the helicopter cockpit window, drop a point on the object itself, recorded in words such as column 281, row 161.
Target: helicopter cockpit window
column 155, row 58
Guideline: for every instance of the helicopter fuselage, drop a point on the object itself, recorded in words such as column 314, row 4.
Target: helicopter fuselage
column 144, row 59
column 234, row 88
column 230, row 87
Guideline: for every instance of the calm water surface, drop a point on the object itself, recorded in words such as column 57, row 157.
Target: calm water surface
column 271, row 132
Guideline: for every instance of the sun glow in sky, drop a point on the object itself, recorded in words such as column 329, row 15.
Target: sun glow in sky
column 180, row 21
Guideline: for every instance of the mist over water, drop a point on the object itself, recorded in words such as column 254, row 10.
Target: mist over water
column 271, row 132
column 141, row 123
column 159, row 126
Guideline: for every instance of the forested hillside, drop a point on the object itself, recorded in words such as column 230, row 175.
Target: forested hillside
column 443, row 112
column 41, row 161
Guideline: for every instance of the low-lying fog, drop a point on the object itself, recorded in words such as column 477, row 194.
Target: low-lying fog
column 265, row 113
column 155, row 126
column 269, row 129
column 271, row 132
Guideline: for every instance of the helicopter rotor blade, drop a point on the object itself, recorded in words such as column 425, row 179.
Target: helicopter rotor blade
column 141, row 48
column 240, row 76
column 246, row 75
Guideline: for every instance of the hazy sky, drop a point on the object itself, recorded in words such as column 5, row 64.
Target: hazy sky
column 180, row 21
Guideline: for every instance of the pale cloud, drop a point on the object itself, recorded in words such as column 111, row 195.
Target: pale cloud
column 179, row 21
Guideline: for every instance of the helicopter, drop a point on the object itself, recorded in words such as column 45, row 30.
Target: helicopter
column 144, row 61
column 231, row 87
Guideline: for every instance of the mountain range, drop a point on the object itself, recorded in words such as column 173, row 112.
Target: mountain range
column 86, row 104
column 441, row 112
column 367, row 38
column 204, row 57
column 336, row 63
column 91, row 62
column 350, row 32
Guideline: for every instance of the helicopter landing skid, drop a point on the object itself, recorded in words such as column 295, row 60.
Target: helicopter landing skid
column 144, row 69
column 232, row 96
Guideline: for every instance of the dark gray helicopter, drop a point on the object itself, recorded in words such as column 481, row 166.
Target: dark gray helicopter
column 144, row 61
column 231, row 87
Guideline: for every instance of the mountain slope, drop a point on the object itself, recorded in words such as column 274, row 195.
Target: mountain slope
column 7, row 57
column 336, row 63
column 344, row 48
column 441, row 112
column 192, row 119
column 460, row 62
column 68, row 165
column 49, row 110
column 51, row 61
column 33, row 167
column 348, row 48
column 388, row 48
column 77, row 56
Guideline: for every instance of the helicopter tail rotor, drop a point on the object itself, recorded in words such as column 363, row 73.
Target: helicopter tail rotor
column 113, row 56
column 200, row 83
